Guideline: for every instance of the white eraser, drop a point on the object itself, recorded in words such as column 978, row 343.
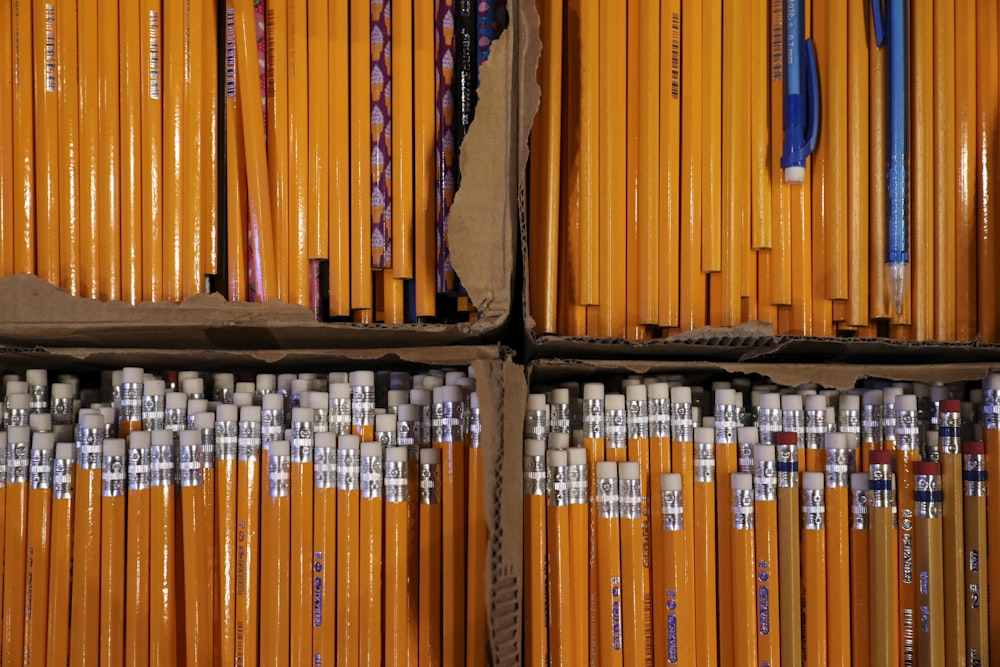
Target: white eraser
column 850, row 402
column 280, row 448
column 325, row 440
column 203, row 420
column 177, row 400
column 227, row 412
column 138, row 440
column 872, row 397
column 340, row 390
column 36, row 377
column 19, row 401
column 184, row 375
column 193, row 386
column 18, row 434
column 577, row 456
column 65, row 451
column 420, row 396
column 250, row 413
column 397, row 397
column 448, row 394
column 905, row 403
column 558, row 440
column 91, row 420
column 245, row 387
column 791, row 402
column 835, row 440
column 196, row 405
column 725, row 396
column 628, row 470
column 533, row 447
column 40, row 421
column 224, row 381
column 560, row 396
column 670, row 481
column 614, row 402
column 474, row 400
column 300, row 387
column 189, row 438
column 795, row 175
column 813, row 480
column 607, row 470
column 303, row 415
column 452, row 377
column 556, row 457
column 815, row 402
column 62, row 390
column 635, row 392
column 741, row 481
column 770, row 401
column 407, row 413
column 889, row 395
column 721, row 384
column 430, row 456
column 47, row 440
column 398, row 454
column 593, row 391
column 535, row 402
column 658, row 391
column 704, row 435
column 318, row 400
column 763, row 452
column 747, row 434
column 153, row 387
column 266, row 382
column 859, row 481
column 16, row 387
column 349, row 441
column 680, row 394
column 708, row 422
column 371, row 450
column 385, row 422
column 432, row 381
column 273, row 402
column 108, row 413
column 161, row 437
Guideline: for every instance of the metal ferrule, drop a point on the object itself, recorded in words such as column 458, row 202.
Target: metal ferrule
column 116, row 395
column 743, row 509
column 560, row 419
column 302, row 442
column 62, row 411
column 991, row 409
column 397, row 489
column 727, row 421
column 430, row 484
column 849, row 421
column 18, row 461
column 534, row 476
column 559, row 486
column 113, row 477
column 839, row 466
column 189, row 465
column 859, row 509
column 371, row 476
column 593, row 419
column 325, row 468
column 62, row 479
column 425, row 425
column 907, row 430
column 615, row 429
column 363, row 406
column 744, row 457
column 207, row 448
column 974, row 474
column 578, row 484
column 536, row 423
column 222, row 395
column 278, row 481
column 18, row 417
column 950, row 432
column 321, row 420
column 475, row 428
column 154, row 415
column 659, row 417
column 672, row 508
column 813, row 509
column 130, row 406
column 272, row 426
column 4, row 452
column 681, row 422
column 340, row 416
column 447, row 422
column 766, row 481
column 815, row 428
column 227, row 435
column 880, row 491
column 794, row 421
column 768, row 423
column 348, row 470
column 787, row 465
column 89, row 446
column 40, row 469
column 175, row 419
column 248, row 441
column 637, row 420
column 607, row 498
column 39, row 401
column 407, row 435
column 871, row 423
column 889, row 423
column 138, row 469
column 704, row 463
column 629, row 499
column 387, row 438
column 161, row 465
column 111, row 430
column 928, row 496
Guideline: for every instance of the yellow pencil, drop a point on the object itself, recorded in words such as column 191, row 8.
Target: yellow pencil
column 535, row 616
column 340, row 160
column 397, row 556
column 725, row 465
column 762, row 71
column 7, row 190
column 209, row 133
column 814, row 588
column 743, row 562
column 987, row 80
column 109, row 157
column 226, row 453
column 23, row 136
column 204, row 423
column 112, row 614
column 70, row 182
column 950, row 443
column 173, row 42
column 947, row 182
column 703, row 536
column 976, row 584
column 137, row 552
column 678, row 586
column 302, row 484
column 564, row 645
column 275, row 553
column 163, row 624
column 670, row 178
column 61, row 562
column 85, row 628
column 361, row 241
column 448, row 437
column 193, row 517
column 277, row 138
column 318, row 47
column 248, row 544
column 660, row 463
column 928, row 549
column 860, row 567
column 610, row 614
column 429, row 653
column 38, row 547
column 299, row 155
column 991, row 437
column 966, row 279
column 349, row 549
column 371, row 515
column 477, row 644
column 711, row 137
column 324, row 625
column 907, row 452
column 840, row 457
column 766, row 547
column 44, row 19
column 884, row 570
column 423, row 146
column 192, row 110
column 236, row 186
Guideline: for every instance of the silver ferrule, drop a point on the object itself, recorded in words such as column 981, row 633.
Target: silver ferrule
column 743, row 509
column 116, row 395
column 629, row 499
column 4, row 453
column 371, row 476
column 578, row 484
column 637, row 420
column 615, row 429
column 272, row 426
column 227, row 437
column 907, row 430
column 766, row 481
column 387, row 438
column 607, row 498
column 131, row 402
column 727, row 421
column 560, row 419
column 682, row 422
column 815, row 428
column 593, row 419
column 161, row 465
column 62, row 478
column 340, row 416
column 89, row 446
column 839, row 466
column 321, row 420
column 744, row 457
column 175, row 419
column 795, row 422
column 302, row 442
column 928, row 496
column 659, row 417
column 348, row 470
column 222, row 395
column 768, row 423
column 278, row 479
column 704, row 463
column 871, row 423
column 363, row 406
column 536, row 423
column 248, row 441
column 430, row 484
column 849, row 422
column 40, row 469
column 19, row 417
column 325, row 468
column 859, row 509
column 889, row 423
column 991, row 408
column 447, row 422
column 38, row 400
column 974, row 477
column 111, row 430
column 207, row 448
column 672, row 508
column 534, row 476
column 881, row 493
column 397, row 488
column 138, row 469
column 813, row 509
column 62, row 411
column 950, row 432
column 113, row 477
column 189, row 465
column 787, row 461
column 154, row 412
column 559, row 486
column 18, row 462
column 407, row 435
column 425, row 425
column 475, row 428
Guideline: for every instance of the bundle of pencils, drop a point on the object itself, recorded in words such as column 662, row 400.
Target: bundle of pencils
column 794, row 525
column 813, row 164
column 290, row 519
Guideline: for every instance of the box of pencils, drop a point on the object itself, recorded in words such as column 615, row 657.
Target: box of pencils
column 241, row 509
column 321, row 154
column 750, row 514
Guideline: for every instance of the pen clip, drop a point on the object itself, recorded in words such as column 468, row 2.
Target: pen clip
column 799, row 155
column 878, row 22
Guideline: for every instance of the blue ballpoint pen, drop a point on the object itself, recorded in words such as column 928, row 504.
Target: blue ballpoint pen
column 897, row 254
column 802, row 109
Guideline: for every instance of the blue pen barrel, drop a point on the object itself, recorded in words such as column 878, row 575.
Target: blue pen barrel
column 897, row 152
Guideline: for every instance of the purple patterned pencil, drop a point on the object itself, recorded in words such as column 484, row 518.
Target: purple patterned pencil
column 381, row 133
column 444, row 116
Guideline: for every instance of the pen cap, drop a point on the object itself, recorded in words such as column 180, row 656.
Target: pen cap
column 139, row 440
column 227, row 412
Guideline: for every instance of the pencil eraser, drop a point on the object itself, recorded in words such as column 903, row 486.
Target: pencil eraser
column 907, row 387
column 177, row 400
column 337, row 377
column 397, row 397
column 670, row 481
column 371, row 450
column 721, row 384
column 786, row 438
column 226, row 412
column 16, row 387
column 939, row 393
column 196, row 405
column 812, row 480
column 474, row 400
column 184, row 375
column 680, row 394
column 763, row 453
column 250, row 413
column 704, row 435
column 430, row 456
column 747, row 434
column 318, row 400
column 973, row 447
column 835, row 440
column 558, row 440
column 850, row 402
column 795, row 175
column 395, row 454
column 266, row 382
column 62, row 391
column 872, row 397
column 203, row 420
column 535, row 402
column 108, row 413
column 161, row 437
column 815, row 402
column 153, row 387
column 280, row 448
column 452, row 377
column 325, row 440
column 741, row 481
column 635, row 392
column 349, row 441
column 138, row 440
column 188, row 438
column 880, row 457
column 273, row 402
column 193, row 386
column 420, row 396
column 432, row 381
column 725, row 396
column 300, row 415
column 739, row 400
column 40, row 421
column 658, row 391
column 791, row 402
column 245, row 387
column 614, row 402
column 91, row 420
column 577, row 456
column 628, row 470
column 770, row 401
column 19, row 401
column 449, row 394
column 707, row 422
column 224, row 381
column 905, row 403
column 629, row 381
column 533, row 447
column 299, row 387
column 889, row 395
column 36, row 377
column 407, row 413
column 115, row 446
column 950, row 405
column 19, row 434
column 385, row 422
column 859, row 481
column 556, row 457
column 926, row 468
column 65, row 451
column 560, row 396
column 593, row 391
column 47, row 440
column 805, row 392
column 340, row 391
